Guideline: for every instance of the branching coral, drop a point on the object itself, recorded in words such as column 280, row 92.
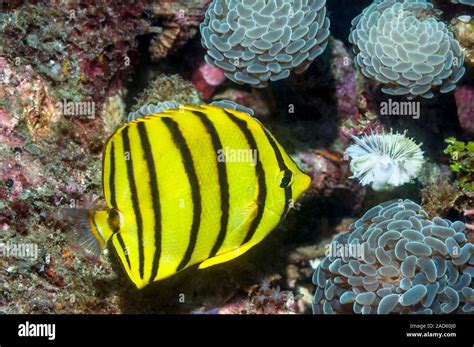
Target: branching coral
column 385, row 160
column 259, row 41
column 401, row 44
column 395, row 260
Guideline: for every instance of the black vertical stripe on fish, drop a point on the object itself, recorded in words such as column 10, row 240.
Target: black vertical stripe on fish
column 190, row 170
column 285, row 169
column 134, row 197
column 155, row 196
column 223, row 182
column 260, row 173
column 124, row 249
column 113, row 198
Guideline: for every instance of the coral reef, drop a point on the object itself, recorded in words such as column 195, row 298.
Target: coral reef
column 258, row 100
column 257, row 42
column 168, row 88
column 25, row 97
column 207, row 78
column 38, row 177
column 179, row 22
column 113, row 111
column 402, row 45
column 395, row 260
column 465, row 104
column 463, row 28
column 149, row 109
column 439, row 197
column 140, row 57
column 82, row 51
column 330, row 176
column 385, row 161
column 263, row 298
column 46, row 168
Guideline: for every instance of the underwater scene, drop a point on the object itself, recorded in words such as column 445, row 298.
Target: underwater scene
column 237, row 157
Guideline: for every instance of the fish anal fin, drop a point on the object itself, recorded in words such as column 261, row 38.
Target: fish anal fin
column 224, row 257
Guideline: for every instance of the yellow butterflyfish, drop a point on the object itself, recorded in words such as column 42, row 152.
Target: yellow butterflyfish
column 194, row 185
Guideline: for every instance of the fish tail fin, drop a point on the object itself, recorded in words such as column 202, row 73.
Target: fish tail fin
column 87, row 235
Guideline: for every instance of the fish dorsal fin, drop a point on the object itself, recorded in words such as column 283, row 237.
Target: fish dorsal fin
column 162, row 107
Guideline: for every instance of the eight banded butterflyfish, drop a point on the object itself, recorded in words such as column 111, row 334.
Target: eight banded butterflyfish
column 191, row 185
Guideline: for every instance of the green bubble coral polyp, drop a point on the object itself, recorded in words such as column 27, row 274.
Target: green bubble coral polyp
column 402, row 45
column 385, row 160
column 257, row 41
column 408, row 263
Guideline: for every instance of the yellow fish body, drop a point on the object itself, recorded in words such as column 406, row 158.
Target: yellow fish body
column 194, row 185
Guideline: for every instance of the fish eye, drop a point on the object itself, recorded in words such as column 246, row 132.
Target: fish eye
column 114, row 220
column 286, row 180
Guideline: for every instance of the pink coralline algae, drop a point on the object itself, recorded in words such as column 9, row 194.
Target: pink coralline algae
column 345, row 79
column 465, row 102
column 207, row 78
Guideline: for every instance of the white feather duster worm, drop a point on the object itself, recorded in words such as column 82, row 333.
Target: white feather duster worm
column 385, row 161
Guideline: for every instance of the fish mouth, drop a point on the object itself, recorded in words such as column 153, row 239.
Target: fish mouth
column 302, row 183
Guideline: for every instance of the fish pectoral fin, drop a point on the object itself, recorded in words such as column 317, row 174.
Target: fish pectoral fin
column 243, row 219
column 222, row 258
column 240, row 223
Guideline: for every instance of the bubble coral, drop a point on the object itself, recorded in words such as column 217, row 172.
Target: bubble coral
column 385, row 160
column 407, row 264
column 401, row 44
column 463, row 2
column 259, row 41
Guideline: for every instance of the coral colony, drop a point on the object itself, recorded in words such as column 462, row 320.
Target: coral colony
column 399, row 44
column 408, row 263
column 348, row 106
column 255, row 42
column 385, row 161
